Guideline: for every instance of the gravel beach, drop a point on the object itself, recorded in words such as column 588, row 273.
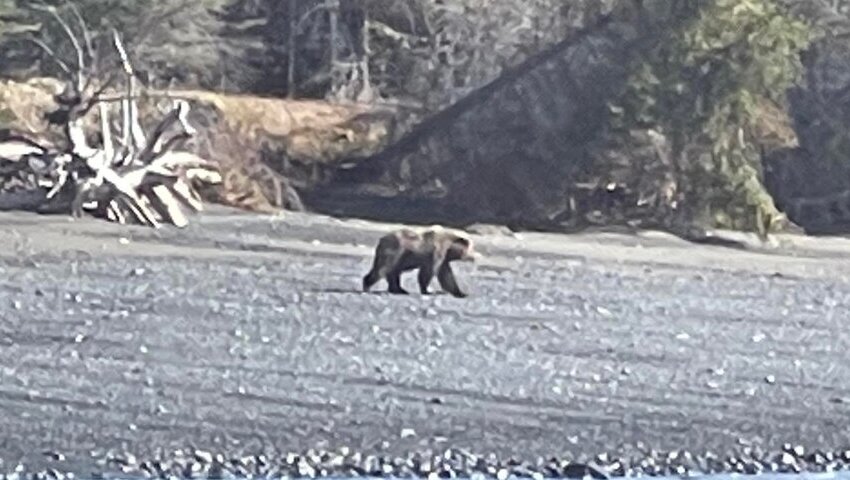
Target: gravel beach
column 246, row 334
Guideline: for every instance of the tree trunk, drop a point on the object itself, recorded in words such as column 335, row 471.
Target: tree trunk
column 333, row 19
column 293, row 34
column 365, row 94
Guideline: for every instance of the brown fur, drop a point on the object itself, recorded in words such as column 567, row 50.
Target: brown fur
column 431, row 252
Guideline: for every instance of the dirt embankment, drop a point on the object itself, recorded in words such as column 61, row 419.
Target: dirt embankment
column 260, row 142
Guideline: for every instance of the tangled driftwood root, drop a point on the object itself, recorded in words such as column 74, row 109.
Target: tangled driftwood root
column 130, row 178
column 145, row 184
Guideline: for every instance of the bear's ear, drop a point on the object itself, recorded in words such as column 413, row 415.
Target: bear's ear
column 466, row 249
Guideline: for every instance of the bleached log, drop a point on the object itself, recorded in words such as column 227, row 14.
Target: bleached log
column 15, row 150
column 183, row 160
column 156, row 146
column 94, row 157
column 202, row 175
column 166, row 204
column 140, row 209
column 114, row 213
column 62, row 163
column 106, row 186
column 187, row 195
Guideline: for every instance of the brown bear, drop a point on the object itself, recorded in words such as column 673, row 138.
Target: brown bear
column 431, row 252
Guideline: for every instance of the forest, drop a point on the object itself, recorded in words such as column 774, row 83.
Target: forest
column 544, row 114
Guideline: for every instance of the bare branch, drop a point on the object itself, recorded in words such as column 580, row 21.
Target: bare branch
column 78, row 49
column 309, row 13
column 81, row 110
column 83, row 27
column 106, row 132
column 122, row 53
column 132, row 132
column 52, row 54
column 155, row 146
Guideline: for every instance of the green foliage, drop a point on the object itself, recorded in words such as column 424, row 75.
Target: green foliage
column 702, row 86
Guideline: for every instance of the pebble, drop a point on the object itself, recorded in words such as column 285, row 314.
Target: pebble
column 748, row 458
column 137, row 272
column 203, row 457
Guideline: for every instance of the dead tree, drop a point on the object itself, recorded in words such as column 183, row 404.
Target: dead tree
column 129, row 178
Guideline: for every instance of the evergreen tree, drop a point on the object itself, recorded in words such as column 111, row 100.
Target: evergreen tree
column 706, row 87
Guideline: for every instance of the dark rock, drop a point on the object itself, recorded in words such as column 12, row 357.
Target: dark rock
column 580, row 470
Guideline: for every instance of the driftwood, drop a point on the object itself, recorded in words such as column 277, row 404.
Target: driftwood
column 129, row 178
